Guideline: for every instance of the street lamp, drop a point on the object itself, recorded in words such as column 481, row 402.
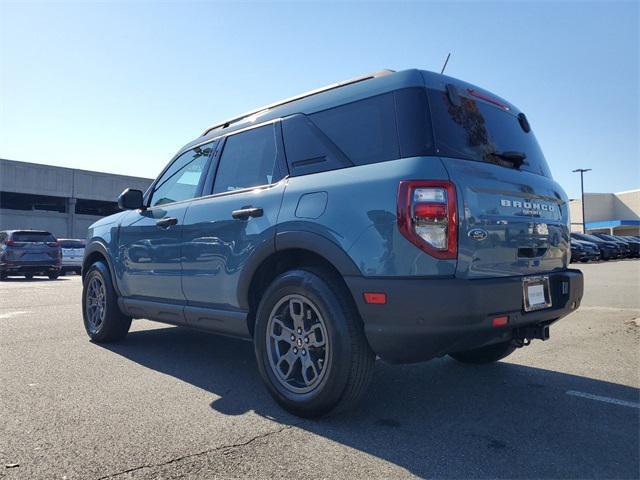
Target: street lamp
column 582, row 170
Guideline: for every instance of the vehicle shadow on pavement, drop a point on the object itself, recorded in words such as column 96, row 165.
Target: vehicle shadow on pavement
column 437, row 419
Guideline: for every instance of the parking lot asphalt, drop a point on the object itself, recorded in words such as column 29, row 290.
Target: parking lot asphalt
column 173, row 403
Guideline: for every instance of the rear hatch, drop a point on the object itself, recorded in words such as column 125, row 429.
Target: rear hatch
column 39, row 248
column 72, row 250
column 513, row 218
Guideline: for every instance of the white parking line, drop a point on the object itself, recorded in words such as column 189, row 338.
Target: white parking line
column 10, row 314
column 615, row 401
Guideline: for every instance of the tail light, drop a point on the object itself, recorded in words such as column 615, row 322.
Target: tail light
column 427, row 216
column 9, row 243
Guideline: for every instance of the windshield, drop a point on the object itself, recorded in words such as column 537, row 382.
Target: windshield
column 591, row 238
column 477, row 130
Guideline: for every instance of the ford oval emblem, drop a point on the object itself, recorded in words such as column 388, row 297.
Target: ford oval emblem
column 477, row 234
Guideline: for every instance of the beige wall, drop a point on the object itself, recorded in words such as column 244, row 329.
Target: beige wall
column 600, row 207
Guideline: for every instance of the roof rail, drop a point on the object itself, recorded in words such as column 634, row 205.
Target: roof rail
column 226, row 123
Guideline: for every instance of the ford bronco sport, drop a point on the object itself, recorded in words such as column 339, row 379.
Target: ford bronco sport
column 406, row 215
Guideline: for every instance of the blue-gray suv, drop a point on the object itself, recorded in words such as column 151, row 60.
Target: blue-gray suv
column 406, row 215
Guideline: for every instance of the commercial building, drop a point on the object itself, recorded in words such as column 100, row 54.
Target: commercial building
column 616, row 213
column 63, row 201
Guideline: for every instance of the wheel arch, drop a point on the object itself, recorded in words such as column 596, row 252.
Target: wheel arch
column 294, row 250
column 94, row 252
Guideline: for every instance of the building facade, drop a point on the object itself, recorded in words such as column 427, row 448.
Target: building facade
column 615, row 213
column 63, row 201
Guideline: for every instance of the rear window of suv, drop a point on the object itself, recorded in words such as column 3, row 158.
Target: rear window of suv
column 476, row 130
column 32, row 237
column 71, row 243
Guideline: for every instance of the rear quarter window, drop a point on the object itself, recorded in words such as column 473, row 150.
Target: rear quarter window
column 365, row 131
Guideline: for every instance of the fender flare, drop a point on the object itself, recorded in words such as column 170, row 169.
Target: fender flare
column 299, row 240
column 98, row 246
column 320, row 245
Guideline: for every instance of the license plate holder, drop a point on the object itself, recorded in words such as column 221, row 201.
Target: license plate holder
column 536, row 293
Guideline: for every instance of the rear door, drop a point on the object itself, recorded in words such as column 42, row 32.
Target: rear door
column 514, row 218
column 223, row 230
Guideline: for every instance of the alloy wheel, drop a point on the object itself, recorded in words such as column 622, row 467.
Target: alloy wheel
column 297, row 344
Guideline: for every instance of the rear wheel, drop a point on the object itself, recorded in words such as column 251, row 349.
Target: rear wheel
column 488, row 354
column 28, row 276
column 310, row 346
column 103, row 320
column 53, row 275
column 3, row 276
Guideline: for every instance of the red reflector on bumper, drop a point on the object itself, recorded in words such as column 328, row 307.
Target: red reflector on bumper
column 500, row 321
column 379, row 298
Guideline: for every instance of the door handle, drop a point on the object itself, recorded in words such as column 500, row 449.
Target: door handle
column 247, row 212
column 166, row 222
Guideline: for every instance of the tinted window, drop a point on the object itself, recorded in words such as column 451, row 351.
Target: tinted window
column 365, row 131
column 71, row 243
column 308, row 149
column 248, row 160
column 476, row 130
column 33, row 237
column 181, row 180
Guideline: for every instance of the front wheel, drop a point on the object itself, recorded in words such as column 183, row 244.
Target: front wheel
column 488, row 354
column 310, row 345
column 103, row 320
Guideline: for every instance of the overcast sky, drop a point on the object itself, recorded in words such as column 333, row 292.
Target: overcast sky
column 120, row 87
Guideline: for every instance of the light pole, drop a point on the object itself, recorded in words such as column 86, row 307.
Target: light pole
column 582, row 170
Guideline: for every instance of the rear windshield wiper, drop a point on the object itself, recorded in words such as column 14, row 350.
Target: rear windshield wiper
column 517, row 159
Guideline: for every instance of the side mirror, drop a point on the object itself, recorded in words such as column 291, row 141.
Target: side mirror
column 130, row 199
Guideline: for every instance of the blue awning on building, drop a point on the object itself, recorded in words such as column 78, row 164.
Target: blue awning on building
column 612, row 224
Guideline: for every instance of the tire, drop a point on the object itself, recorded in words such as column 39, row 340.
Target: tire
column 337, row 370
column 3, row 276
column 103, row 320
column 28, row 276
column 488, row 354
column 53, row 275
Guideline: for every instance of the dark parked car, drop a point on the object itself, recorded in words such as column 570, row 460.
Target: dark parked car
column 608, row 250
column 625, row 247
column 634, row 244
column 578, row 252
column 29, row 253
column 404, row 215
column 585, row 252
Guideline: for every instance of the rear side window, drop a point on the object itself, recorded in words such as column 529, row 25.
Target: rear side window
column 365, row 131
column 33, row 237
column 477, row 130
column 248, row 160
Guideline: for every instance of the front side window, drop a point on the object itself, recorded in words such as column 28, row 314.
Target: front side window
column 248, row 160
column 180, row 181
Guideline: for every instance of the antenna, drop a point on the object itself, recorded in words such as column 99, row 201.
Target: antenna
column 445, row 63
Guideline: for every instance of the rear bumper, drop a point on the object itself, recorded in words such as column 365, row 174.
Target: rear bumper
column 28, row 267
column 427, row 318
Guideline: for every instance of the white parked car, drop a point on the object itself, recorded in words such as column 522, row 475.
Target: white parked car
column 72, row 254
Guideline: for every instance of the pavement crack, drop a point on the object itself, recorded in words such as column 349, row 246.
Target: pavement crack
column 198, row 454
